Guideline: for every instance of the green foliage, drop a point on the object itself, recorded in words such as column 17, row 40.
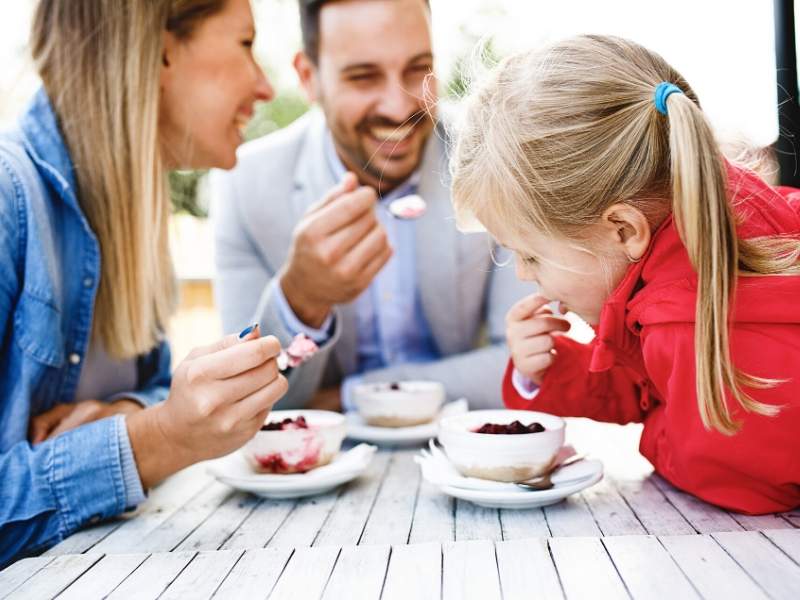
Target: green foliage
column 269, row 116
column 466, row 67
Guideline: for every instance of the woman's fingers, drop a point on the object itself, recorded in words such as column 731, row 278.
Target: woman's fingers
column 538, row 326
column 41, row 425
column 233, row 360
column 260, row 401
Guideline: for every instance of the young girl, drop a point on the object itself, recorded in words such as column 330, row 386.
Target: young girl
column 89, row 414
column 593, row 161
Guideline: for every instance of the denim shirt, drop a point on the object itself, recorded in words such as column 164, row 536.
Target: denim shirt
column 49, row 273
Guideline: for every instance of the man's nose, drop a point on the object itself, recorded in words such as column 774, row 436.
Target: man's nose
column 397, row 103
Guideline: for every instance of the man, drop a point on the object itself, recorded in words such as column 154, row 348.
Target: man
column 304, row 239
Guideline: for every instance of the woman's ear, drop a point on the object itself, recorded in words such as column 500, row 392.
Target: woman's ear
column 628, row 229
column 168, row 45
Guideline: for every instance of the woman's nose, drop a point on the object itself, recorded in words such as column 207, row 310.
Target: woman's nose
column 263, row 88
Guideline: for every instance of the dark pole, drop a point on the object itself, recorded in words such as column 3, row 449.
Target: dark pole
column 787, row 146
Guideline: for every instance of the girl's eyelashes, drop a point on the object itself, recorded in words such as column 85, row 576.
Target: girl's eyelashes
column 248, row 44
column 528, row 260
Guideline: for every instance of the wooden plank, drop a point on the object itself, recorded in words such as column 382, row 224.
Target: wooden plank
column 652, row 508
column 152, row 577
column 610, row 511
column 302, row 525
column 306, row 573
column 523, row 523
column 469, row 571
column 527, row 570
column 164, row 501
column 18, row 573
column 434, row 516
column 704, row 517
column 103, row 577
column 775, row 572
column 647, row 569
column 787, row 540
column 255, row 574
column 585, row 569
column 761, row 522
column 169, row 534
column 222, row 523
column 260, row 525
column 55, row 577
column 710, row 569
column 414, row 572
column 475, row 522
column 346, row 522
column 571, row 517
column 203, row 575
column 392, row 515
column 359, row 573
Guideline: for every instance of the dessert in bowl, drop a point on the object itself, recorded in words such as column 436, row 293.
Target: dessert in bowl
column 502, row 445
column 296, row 441
column 399, row 404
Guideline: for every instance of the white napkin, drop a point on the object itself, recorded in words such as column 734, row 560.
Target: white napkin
column 437, row 469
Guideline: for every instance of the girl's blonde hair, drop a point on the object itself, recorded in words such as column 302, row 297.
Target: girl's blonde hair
column 100, row 62
column 553, row 138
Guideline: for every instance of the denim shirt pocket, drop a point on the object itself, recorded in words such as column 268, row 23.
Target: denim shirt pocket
column 38, row 325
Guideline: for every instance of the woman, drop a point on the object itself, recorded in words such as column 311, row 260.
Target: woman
column 131, row 88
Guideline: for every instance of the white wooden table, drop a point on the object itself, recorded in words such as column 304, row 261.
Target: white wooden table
column 391, row 535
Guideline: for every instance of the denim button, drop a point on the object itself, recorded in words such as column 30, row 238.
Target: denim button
column 75, row 358
column 88, row 282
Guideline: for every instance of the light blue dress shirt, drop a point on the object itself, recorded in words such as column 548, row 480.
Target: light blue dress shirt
column 391, row 325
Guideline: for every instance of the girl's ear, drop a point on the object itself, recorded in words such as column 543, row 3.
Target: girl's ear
column 627, row 229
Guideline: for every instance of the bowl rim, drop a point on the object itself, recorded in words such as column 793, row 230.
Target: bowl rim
column 447, row 424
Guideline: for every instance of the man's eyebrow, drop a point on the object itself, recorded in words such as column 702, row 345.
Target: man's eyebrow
column 369, row 65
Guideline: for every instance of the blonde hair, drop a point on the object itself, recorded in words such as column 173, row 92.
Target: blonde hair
column 100, row 61
column 553, row 138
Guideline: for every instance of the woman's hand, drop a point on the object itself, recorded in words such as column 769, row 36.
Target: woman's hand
column 530, row 327
column 220, row 397
column 64, row 417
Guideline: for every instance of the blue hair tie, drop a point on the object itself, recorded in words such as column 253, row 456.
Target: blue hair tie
column 663, row 91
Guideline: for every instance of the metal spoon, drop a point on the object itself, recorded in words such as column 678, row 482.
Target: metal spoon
column 544, row 481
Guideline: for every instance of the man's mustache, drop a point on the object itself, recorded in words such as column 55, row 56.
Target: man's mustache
column 415, row 119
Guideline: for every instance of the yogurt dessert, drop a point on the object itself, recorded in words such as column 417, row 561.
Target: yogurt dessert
column 299, row 351
column 502, row 445
column 399, row 404
column 296, row 441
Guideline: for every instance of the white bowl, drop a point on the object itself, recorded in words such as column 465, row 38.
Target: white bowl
column 501, row 457
column 297, row 450
column 414, row 403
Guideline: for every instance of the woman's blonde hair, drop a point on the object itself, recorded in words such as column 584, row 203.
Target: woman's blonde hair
column 100, row 61
column 553, row 138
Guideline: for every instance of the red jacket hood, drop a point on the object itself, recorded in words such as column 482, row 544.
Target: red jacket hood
column 662, row 287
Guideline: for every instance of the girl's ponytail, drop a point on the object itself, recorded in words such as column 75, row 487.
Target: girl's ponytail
column 705, row 222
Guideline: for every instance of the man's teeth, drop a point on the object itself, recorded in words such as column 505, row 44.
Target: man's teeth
column 391, row 134
column 241, row 123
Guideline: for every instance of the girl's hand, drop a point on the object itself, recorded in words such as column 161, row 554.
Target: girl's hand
column 220, row 397
column 64, row 417
column 530, row 327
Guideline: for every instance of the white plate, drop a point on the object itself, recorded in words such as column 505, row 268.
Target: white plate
column 235, row 471
column 521, row 498
column 357, row 428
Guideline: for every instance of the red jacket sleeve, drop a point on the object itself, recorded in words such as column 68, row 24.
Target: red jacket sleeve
column 569, row 389
column 755, row 470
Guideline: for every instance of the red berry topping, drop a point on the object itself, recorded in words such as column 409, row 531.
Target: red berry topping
column 298, row 423
column 513, row 428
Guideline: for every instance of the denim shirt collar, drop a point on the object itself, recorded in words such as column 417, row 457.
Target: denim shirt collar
column 46, row 146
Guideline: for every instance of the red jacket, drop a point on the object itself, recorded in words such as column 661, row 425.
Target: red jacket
column 640, row 367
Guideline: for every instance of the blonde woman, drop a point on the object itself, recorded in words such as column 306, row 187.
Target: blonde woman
column 131, row 88
column 593, row 161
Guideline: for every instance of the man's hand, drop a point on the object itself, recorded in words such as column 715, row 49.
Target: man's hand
column 64, row 417
column 337, row 249
column 530, row 327
column 327, row 399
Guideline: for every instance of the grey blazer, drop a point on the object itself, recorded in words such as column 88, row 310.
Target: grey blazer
column 464, row 294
